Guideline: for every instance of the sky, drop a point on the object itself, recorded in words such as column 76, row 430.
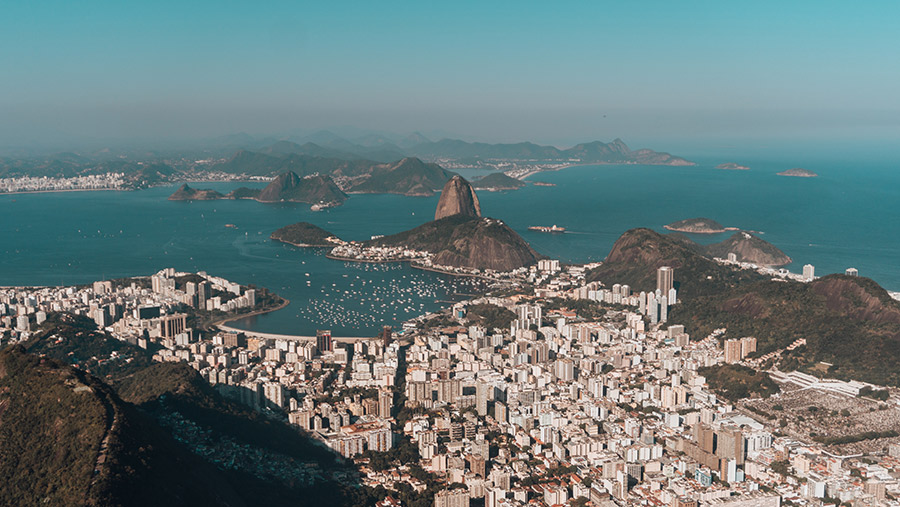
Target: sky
column 682, row 73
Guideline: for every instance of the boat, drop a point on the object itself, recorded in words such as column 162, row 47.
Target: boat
column 544, row 228
column 231, row 226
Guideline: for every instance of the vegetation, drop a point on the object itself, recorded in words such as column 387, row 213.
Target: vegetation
column 849, row 439
column 850, row 322
column 490, row 316
column 736, row 382
column 409, row 176
column 498, row 181
column 303, row 234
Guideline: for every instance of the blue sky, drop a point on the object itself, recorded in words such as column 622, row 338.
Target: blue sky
column 552, row 72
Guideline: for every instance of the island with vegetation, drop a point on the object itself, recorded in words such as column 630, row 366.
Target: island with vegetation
column 732, row 166
column 186, row 193
column 798, row 172
column 305, row 234
column 696, row 226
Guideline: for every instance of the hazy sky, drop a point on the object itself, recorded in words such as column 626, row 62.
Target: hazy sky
column 546, row 71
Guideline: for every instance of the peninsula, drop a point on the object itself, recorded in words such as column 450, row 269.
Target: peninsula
column 798, row 172
column 498, row 181
column 305, row 234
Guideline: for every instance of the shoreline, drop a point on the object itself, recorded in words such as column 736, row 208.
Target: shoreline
column 581, row 164
column 284, row 303
column 67, row 190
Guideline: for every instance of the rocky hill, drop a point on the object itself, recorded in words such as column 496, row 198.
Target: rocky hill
column 66, row 438
column 749, row 248
column 849, row 322
column 498, row 181
column 409, row 176
column 311, row 189
column 637, row 254
column 304, row 234
column 186, row 193
column 151, row 434
column 465, row 241
column 457, row 198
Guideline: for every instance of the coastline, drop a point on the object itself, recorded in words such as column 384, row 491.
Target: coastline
column 68, row 190
column 676, row 229
column 284, row 303
column 584, row 164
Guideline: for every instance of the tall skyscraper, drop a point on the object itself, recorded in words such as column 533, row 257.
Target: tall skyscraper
column 323, row 341
column 665, row 279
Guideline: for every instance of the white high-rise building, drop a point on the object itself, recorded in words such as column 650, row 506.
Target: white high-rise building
column 809, row 272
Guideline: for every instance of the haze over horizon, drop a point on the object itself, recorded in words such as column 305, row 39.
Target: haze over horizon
column 666, row 77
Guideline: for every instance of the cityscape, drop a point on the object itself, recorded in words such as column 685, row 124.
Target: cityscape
column 449, row 254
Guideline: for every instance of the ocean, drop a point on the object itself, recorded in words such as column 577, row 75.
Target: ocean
column 847, row 217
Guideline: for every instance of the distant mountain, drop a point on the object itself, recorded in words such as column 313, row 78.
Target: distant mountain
column 186, row 193
column 696, row 226
column 616, row 152
column 310, row 189
column 457, row 198
column 262, row 164
column 409, row 176
column 466, row 241
column 303, row 234
column 749, row 248
column 414, row 139
column 498, row 181
column 798, row 172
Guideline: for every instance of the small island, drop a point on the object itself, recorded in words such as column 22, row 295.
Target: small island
column 498, row 181
column 696, row 226
column 305, row 234
column 732, row 166
column 798, row 172
column 186, row 193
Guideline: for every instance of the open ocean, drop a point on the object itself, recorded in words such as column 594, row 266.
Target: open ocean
column 847, row 217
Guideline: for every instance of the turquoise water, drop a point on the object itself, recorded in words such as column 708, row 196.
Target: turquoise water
column 847, row 217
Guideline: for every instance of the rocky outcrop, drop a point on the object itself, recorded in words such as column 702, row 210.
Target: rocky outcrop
column 186, row 193
column 311, row 189
column 457, row 198
column 466, row 241
column 749, row 248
